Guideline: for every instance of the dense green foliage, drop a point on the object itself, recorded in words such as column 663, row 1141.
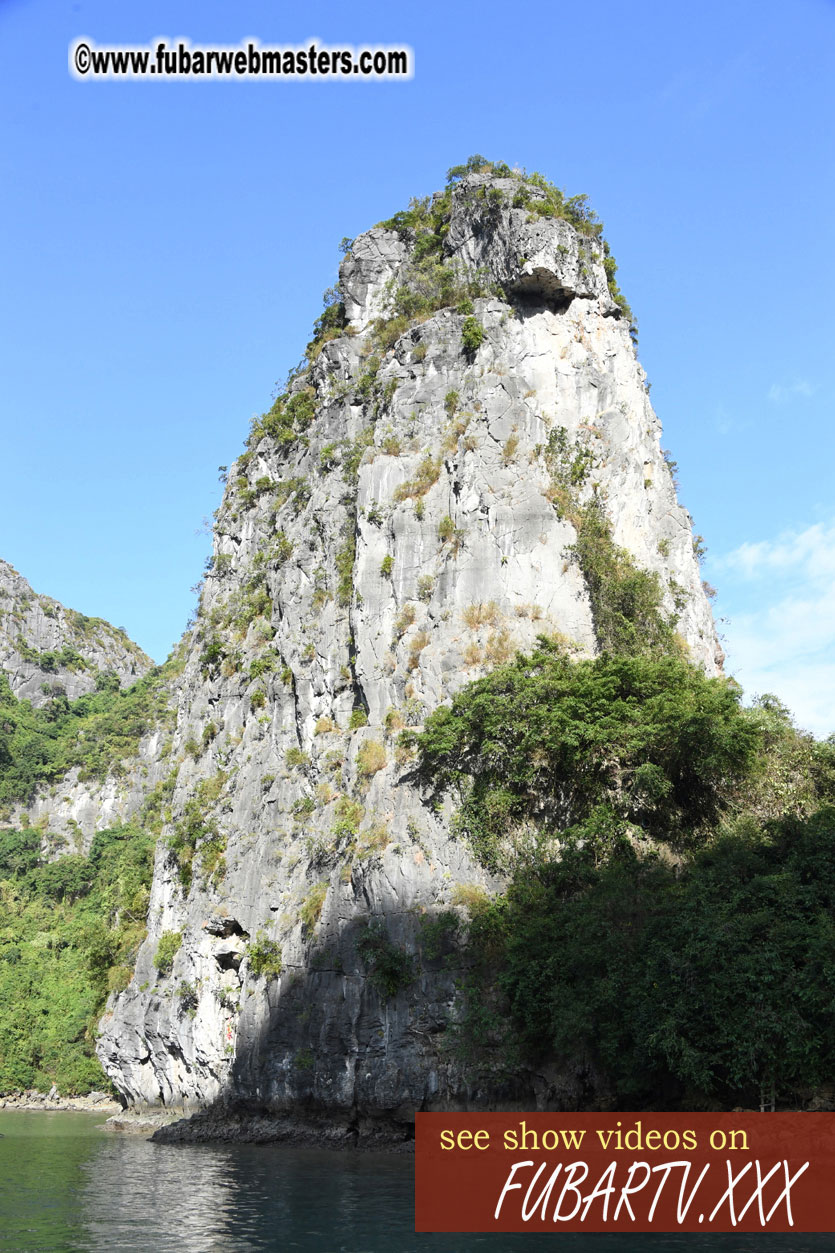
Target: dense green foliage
column 706, row 985
column 289, row 416
column 96, row 733
column 792, row 772
column 195, row 842
column 345, row 557
column 694, row 979
column 51, row 660
column 535, row 193
column 69, row 934
column 429, row 281
column 546, row 745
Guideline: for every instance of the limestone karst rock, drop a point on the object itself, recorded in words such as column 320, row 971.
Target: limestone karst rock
column 391, row 531
column 44, row 646
column 404, row 518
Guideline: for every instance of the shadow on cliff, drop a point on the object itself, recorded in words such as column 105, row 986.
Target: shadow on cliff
column 345, row 1049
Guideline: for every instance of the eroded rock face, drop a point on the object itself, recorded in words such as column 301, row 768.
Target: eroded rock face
column 44, row 647
column 527, row 256
column 367, row 274
column 402, row 544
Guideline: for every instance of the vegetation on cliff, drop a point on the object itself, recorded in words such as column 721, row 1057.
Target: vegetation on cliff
column 71, row 926
column 69, row 936
column 548, row 749
column 95, row 733
column 429, row 219
column 667, row 934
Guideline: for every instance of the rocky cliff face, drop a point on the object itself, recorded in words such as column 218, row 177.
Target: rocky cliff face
column 403, row 519
column 44, row 647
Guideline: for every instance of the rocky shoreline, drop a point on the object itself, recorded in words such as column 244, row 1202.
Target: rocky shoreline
column 52, row 1101
column 239, row 1126
column 225, row 1125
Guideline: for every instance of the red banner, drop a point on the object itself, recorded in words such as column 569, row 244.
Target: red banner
column 625, row 1172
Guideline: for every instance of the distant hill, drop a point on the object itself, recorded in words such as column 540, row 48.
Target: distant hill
column 45, row 647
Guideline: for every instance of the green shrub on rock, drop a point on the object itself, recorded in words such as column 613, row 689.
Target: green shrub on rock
column 167, row 949
column 390, row 967
column 264, row 957
column 472, row 335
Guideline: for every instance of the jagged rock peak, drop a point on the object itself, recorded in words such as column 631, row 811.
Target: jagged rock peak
column 45, row 647
column 510, row 233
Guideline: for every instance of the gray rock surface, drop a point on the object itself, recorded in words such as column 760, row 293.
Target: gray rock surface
column 542, row 258
column 402, row 544
column 366, row 273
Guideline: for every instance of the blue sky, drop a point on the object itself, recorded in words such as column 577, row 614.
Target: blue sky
column 165, row 246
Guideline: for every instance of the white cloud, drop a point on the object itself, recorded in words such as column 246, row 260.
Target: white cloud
column 781, row 393
column 726, row 423
column 787, row 644
column 805, row 555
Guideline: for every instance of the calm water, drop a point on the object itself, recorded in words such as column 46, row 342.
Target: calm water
column 65, row 1184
